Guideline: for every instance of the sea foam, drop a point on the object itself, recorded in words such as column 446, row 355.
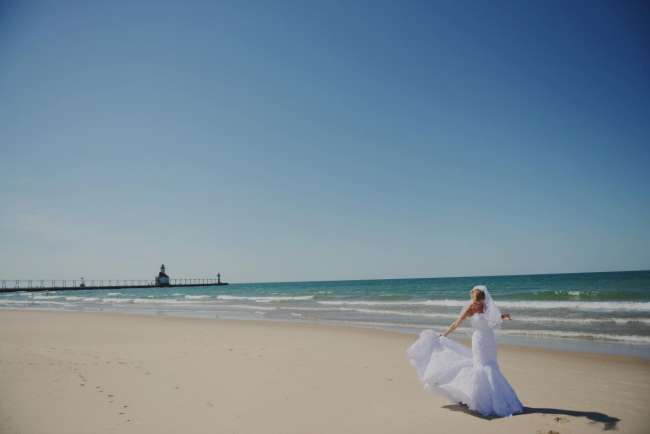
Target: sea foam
column 267, row 299
column 510, row 304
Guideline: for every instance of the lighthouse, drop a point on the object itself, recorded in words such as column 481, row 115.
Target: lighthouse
column 162, row 279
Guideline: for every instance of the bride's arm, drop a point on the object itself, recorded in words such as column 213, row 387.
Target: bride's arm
column 464, row 314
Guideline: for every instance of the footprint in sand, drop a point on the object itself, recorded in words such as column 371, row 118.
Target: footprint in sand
column 560, row 419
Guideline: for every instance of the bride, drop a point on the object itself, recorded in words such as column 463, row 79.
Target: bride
column 467, row 376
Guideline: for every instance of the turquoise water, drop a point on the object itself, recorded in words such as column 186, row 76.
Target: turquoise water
column 592, row 311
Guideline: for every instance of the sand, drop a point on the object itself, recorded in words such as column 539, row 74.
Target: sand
column 68, row 372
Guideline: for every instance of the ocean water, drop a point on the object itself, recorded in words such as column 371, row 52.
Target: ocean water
column 602, row 312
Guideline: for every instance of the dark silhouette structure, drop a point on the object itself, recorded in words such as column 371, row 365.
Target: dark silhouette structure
column 162, row 279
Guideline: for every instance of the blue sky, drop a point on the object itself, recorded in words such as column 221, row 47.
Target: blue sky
column 323, row 140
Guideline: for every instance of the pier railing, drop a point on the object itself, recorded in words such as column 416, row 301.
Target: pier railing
column 58, row 284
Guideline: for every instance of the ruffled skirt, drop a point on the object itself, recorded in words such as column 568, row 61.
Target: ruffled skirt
column 471, row 377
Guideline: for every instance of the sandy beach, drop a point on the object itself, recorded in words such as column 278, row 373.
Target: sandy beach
column 64, row 372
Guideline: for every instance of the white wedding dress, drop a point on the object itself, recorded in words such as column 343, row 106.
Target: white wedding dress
column 471, row 377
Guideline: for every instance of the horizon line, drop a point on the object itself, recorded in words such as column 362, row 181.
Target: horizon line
column 362, row 279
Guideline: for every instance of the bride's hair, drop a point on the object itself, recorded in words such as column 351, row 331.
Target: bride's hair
column 480, row 294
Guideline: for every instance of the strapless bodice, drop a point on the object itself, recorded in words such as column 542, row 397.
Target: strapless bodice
column 479, row 322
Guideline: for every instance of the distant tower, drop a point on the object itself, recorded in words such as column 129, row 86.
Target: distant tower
column 162, row 279
column 218, row 278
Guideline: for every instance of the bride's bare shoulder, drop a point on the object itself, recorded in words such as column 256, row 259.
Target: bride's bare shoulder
column 476, row 307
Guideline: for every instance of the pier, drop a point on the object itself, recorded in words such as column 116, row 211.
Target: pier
column 160, row 281
column 71, row 285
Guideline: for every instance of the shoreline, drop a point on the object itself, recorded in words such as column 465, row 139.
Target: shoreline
column 382, row 329
column 390, row 331
column 121, row 372
column 560, row 344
